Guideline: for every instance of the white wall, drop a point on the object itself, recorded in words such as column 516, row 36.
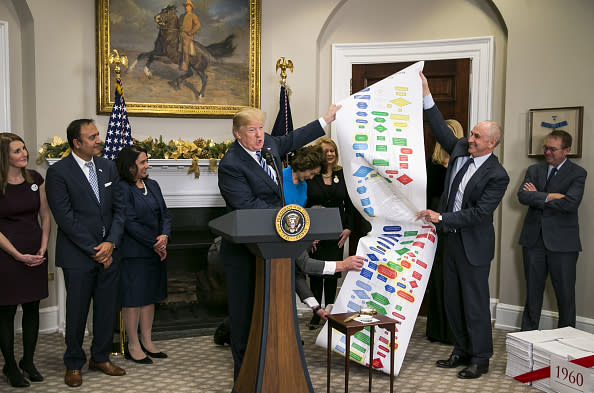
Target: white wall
column 542, row 56
column 548, row 65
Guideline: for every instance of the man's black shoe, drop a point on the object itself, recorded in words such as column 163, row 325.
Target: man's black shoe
column 453, row 361
column 222, row 334
column 473, row 371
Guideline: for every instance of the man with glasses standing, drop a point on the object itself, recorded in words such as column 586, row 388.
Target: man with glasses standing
column 550, row 236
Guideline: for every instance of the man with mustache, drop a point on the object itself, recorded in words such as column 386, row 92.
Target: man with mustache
column 474, row 186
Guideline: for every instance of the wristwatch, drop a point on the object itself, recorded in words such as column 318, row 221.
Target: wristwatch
column 316, row 309
column 439, row 218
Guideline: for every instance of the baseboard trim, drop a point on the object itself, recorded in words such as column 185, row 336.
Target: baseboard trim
column 505, row 316
column 48, row 320
column 509, row 317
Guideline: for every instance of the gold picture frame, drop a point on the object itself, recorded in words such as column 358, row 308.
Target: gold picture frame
column 542, row 121
column 233, row 79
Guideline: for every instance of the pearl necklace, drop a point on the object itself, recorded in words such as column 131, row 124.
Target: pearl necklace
column 144, row 186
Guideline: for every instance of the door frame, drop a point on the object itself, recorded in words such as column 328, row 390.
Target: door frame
column 4, row 79
column 480, row 50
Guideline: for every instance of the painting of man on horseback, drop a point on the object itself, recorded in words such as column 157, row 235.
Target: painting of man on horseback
column 189, row 26
column 175, row 44
column 188, row 57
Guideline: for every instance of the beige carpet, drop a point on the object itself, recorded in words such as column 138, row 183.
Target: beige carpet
column 196, row 364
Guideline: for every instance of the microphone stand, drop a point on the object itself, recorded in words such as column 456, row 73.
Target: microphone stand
column 272, row 162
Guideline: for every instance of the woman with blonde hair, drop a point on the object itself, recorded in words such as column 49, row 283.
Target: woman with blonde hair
column 328, row 189
column 24, row 234
column 437, row 324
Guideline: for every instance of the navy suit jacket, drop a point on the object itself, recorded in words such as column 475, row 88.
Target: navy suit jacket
column 142, row 227
column 557, row 220
column 243, row 183
column 79, row 216
column 482, row 195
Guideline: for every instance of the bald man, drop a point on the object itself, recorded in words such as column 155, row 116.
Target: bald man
column 474, row 186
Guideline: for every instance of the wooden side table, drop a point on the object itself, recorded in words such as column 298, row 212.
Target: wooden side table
column 336, row 321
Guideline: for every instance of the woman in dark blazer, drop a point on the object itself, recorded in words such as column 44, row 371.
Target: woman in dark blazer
column 143, row 272
column 328, row 189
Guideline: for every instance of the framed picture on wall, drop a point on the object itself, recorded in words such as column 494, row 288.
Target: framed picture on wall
column 187, row 58
column 543, row 121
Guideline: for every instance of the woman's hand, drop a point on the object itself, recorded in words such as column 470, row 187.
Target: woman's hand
column 322, row 314
column 160, row 246
column 31, row 260
column 42, row 251
column 343, row 237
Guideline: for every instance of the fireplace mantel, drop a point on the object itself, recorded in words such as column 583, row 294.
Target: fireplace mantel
column 180, row 188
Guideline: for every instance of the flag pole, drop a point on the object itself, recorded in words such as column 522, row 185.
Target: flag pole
column 284, row 65
column 117, row 60
column 284, row 121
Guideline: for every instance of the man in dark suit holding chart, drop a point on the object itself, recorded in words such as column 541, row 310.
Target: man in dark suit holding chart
column 249, row 178
column 550, row 236
column 474, row 186
column 87, row 204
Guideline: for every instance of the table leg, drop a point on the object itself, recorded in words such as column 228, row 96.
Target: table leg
column 328, row 360
column 347, row 355
column 371, row 331
column 392, row 339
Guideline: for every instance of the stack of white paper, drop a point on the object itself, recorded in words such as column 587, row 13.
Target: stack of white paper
column 542, row 353
column 519, row 351
column 532, row 350
column 584, row 342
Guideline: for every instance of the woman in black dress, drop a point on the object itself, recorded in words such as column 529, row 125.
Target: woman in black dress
column 23, row 255
column 438, row 328
column 328, row 189
column 143, row 271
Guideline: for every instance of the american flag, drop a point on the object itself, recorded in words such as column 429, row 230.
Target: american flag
column 284, row 121
column 119, row 132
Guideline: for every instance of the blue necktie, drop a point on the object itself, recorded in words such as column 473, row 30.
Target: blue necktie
column 93, row 179
column 265, row 166
column 456, row 184
column 551, row 175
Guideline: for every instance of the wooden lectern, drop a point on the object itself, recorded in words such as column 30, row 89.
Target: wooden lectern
column 274, row 360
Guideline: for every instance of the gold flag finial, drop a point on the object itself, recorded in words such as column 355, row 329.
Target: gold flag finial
column 115, row 58
column 284, row 65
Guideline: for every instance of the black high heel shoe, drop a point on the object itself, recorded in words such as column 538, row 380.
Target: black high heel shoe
column 156, row 355
column 15, row 378
column 128, row 355
column 31, row 372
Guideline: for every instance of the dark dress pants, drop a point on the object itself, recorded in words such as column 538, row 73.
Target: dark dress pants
column 240, row 271
column 466, row 293
column 82, row 285
column 538, row 262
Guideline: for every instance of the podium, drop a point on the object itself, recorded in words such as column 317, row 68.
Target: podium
column 274, row 360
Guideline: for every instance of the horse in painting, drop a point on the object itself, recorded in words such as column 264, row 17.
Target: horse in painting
column 167, row 50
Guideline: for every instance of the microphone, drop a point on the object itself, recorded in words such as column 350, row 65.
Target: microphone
column 270, row 161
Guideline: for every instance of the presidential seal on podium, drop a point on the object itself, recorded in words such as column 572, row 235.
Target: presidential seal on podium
column 292, row 223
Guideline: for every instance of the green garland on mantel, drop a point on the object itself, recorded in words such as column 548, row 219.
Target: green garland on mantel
column 156, row 148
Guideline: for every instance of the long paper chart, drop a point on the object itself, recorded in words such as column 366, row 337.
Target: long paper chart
column 379, row 132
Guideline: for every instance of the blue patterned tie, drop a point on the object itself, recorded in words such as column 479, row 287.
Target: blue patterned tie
column 265, row 166
column 93, row 179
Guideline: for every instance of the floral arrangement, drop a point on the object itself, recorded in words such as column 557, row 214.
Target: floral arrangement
column 156, row 148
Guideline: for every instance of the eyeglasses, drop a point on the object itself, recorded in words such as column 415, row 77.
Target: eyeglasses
column 549, row 148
